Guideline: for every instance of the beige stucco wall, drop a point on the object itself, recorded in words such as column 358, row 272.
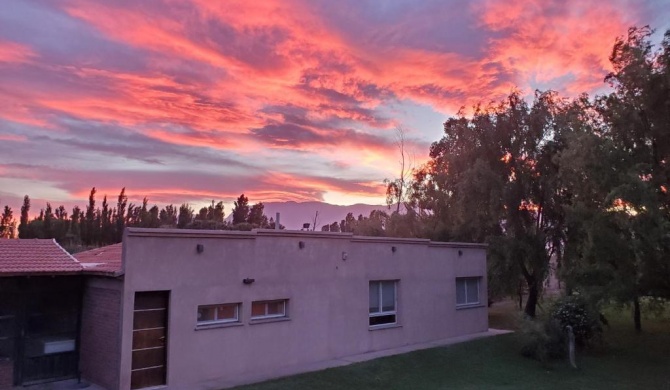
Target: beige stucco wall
column 328, row 298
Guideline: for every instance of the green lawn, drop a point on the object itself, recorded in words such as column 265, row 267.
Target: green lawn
column 628, row 361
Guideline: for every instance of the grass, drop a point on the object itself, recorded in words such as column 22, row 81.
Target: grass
column 627, row 361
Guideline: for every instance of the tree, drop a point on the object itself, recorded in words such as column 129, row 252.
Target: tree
column 257, row 217
column 75, row 223
column 215, row 212
column 397, row 190
column 492, row 178
column 107, row 234
column 48, row 218
column 619, row 215
column 25, row 212
column 121, row 204
column 7, row 223
column 88, row 230
column 185, row 216
column 168, row 216
column 241, row 210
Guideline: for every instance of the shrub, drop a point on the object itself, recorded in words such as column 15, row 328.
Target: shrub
column 573, row 310
column 542, row 340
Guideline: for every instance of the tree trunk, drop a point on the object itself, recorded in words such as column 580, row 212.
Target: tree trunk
column 533, row 295
column 636, row 314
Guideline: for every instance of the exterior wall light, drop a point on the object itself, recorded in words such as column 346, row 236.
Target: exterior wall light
column 199, row 248
column 393, row 249
column 301, row 244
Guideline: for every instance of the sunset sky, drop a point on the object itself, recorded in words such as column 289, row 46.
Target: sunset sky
column 188, row 101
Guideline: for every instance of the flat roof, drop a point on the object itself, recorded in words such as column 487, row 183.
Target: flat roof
column 233, row 234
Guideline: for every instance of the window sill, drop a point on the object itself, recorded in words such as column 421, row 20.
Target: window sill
column 384, row 326
column 216, row 326
column 267, row 320
column 470, row 306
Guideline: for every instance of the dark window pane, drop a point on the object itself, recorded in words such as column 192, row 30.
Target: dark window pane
column 381, row 320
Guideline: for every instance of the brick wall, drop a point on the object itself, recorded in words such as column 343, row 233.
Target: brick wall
column 6, row 373
column 100, row 344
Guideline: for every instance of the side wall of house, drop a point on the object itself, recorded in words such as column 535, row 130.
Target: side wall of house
column 100, row 338
column 326, row 282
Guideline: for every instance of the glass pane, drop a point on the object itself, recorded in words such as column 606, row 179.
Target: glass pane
column 206, row 313
column 381, row 320
column 388, row 296
column 276, row 308
column 226, row 312
column 473, row 290
column 460, row 291
column 257, row 309
column 374, row 297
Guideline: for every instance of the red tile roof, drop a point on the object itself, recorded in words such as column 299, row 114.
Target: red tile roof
column 35, row 256
column 105, row 260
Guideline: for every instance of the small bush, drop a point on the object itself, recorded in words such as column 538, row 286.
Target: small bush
column 573, row 310
column 542, row 340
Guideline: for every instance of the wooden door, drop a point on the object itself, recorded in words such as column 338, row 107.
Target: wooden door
column 149, row 339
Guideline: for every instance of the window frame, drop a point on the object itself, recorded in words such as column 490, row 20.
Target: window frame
column 381, row 312
column 267, row 316
column 216, row 321
column 466, row 280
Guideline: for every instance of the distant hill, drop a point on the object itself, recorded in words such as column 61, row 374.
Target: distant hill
column 294, row 214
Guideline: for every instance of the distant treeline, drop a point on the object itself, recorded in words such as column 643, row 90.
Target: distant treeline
column 99, row 225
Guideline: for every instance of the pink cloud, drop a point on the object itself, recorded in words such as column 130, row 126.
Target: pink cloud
column 11, row 52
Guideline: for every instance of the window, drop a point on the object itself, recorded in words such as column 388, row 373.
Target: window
column 268, row 309
column 382, row 302
column 218, row 314
column 467, row 291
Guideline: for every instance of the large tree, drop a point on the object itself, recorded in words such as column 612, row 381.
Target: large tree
column 492, row 178
column 618, row 243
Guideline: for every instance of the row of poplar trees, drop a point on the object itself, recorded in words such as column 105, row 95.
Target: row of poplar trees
column 104, row 224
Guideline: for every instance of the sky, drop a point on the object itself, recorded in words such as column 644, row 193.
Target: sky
column 189, row 101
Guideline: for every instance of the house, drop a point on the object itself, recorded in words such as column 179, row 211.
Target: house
column 198, row 309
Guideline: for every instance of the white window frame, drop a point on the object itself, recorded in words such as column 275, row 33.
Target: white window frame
column 466, row 280
column 220, row 321
column 266, row 315
column 381, row 311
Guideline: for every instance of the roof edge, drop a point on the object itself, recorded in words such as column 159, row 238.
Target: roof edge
column 255, row 233
column 67, row 253
column 151, row 232
column 473, row 245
